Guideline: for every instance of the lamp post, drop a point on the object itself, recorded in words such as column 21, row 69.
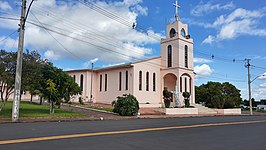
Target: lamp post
column 92, row 65
column 17, row 89
column 249, row 90
column 91, row 83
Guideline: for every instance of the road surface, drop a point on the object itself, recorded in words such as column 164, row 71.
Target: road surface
column 235, row 132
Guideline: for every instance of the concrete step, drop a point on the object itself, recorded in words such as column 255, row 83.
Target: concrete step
column 149, row 111
column 205, row 110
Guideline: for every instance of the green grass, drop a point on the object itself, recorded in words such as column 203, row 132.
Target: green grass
column 105, row 109
column 32, row 110
column 93, row 107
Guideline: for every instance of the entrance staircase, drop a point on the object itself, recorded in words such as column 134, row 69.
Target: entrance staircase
column 205, row 110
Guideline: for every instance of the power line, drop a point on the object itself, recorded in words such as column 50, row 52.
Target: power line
column 8, row 36
column 55, row 38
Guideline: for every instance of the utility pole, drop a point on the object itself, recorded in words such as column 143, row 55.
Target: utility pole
column 17, row 90
column 249, row 86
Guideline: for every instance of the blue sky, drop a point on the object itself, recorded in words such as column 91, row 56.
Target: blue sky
column 76, row 33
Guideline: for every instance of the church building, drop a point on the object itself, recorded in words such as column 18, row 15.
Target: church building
column 172, row 70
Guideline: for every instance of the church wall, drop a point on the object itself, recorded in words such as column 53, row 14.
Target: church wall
column 112, row 85
column 86, row 83
column 148, row 98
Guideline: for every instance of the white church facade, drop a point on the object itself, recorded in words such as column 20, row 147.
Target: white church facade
column 145, row 79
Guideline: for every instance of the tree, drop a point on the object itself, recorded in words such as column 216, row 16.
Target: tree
column 51, row 94
column 65, row 84
column 218, row 95
column 36, row 72
column 7, row 74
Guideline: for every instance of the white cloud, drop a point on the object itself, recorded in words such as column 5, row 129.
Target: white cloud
column 263, row 85
column 239, row 22
column 202, row 9
column 86, row 33
column 202, row 60
column 50, row 55
column 87, row 64
column 8, row 43
column 257, row 93
column 203, row 70
column 208, row 40
column 5, row 6
column 111, row 65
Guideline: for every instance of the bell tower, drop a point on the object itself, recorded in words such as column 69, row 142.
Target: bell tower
column 177, row 57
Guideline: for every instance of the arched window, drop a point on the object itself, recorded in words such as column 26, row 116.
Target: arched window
column 105, row 80
column 183, row 32
column 172, row 33
column 154, row 81
column 120, row 81
column 81, row 82
column 126, row 80
column 74, row 77
column 169, row 54
column 147, row 81
column 101, row 82
column 140, row 80
column 186, row 56
column 180, row 84
column 185, row 84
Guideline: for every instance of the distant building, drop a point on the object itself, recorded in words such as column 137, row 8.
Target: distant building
column 146, row 79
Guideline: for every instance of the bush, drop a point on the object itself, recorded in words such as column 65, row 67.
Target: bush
column 186, row 96
column 126, row 105
column 167, row 98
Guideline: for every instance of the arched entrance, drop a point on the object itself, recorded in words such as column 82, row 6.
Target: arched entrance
column 170, row 81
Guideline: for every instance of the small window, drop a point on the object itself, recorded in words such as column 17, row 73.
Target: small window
column 172, row 33
column 101, row 81
column 81, row 82
column 120, row 81
column 140, row 80
column 126, row 80
column 105, row 80
column 169, row 56
column 186, row 56
column 147, row 81
column 74, row 77
column 154, row 81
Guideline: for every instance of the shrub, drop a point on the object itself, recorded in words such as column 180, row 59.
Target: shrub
column 126, row 105
column 186, row 96
column 167, row 98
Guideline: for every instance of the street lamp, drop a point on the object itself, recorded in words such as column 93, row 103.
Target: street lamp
column 17, row 89
column 92, row 63
column 250, row 102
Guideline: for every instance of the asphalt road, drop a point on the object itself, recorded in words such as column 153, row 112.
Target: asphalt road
column 239, row 132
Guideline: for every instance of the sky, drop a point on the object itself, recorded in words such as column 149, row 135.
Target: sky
column 74, row 33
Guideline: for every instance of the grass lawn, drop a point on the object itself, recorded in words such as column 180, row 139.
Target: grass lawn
column 32, row 110
column 93, row 107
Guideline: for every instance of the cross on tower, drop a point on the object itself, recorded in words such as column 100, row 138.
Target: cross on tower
column 176, row 9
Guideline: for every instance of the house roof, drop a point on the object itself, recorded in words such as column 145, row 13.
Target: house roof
column 127, row 65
